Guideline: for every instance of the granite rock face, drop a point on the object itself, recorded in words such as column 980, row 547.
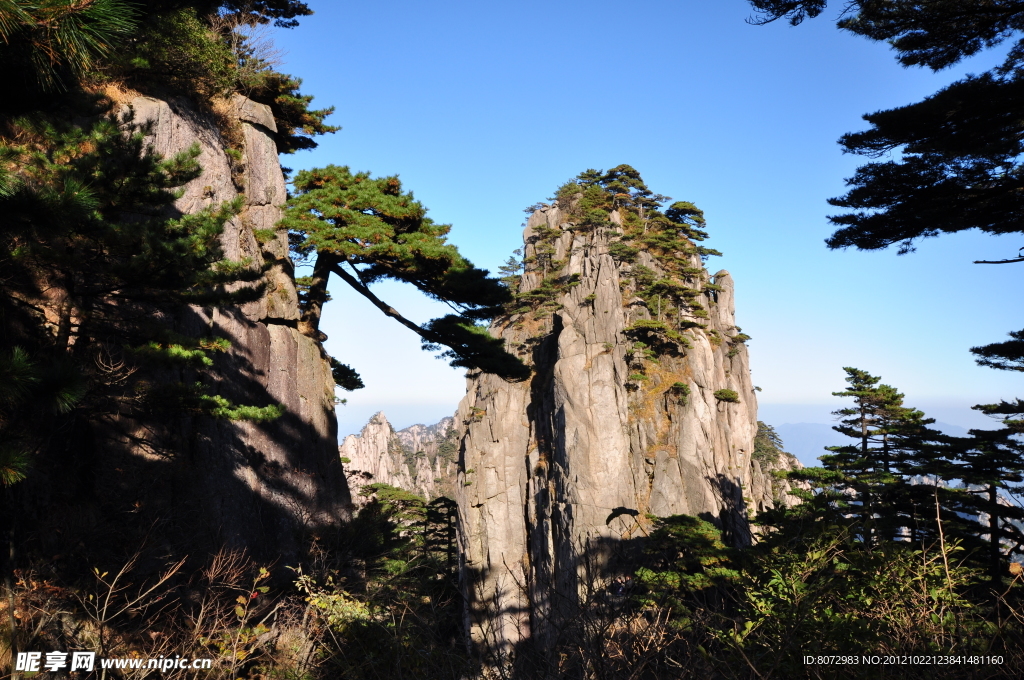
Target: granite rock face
column 558, row 474
column 259, row 486
column 418, row 458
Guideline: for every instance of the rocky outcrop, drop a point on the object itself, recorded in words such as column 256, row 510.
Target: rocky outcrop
column 627, row 415
column 257, row 486
column 419, row 458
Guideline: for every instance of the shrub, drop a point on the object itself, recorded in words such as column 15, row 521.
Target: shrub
column 727, row 395
column 682, row 392
column 621, row 252
column 656, row 335
column 178, row 50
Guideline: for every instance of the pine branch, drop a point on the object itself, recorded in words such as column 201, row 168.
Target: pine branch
column 1016, row 259
column 383, row 306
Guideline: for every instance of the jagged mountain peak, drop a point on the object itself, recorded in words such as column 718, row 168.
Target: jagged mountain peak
column 419, row 458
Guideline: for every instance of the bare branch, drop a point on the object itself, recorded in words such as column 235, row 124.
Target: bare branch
column 1016, row 259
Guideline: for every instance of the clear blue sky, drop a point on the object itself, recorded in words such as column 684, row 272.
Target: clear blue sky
column 485, row 108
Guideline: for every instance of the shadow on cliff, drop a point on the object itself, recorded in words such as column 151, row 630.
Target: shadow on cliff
column 732, row 518
column 585, row 623
column 175, row 487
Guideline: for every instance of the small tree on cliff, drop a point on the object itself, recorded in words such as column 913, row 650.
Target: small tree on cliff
column 365, row 230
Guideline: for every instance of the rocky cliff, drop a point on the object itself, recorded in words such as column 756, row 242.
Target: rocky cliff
column 257, row 486
column 640, row 404
column 419, row 458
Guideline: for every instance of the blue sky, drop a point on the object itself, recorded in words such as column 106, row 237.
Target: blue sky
column 485, row 108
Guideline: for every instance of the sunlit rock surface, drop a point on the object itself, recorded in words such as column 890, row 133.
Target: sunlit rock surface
column 558, row 474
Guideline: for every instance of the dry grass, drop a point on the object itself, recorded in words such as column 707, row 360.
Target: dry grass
column 217, row 611
column 116, row 92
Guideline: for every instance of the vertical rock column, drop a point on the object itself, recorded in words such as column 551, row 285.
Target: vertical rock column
column 261, row 486
column 558, row 474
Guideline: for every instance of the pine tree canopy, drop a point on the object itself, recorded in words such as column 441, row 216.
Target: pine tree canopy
column 366, row 230
column 901, row 482
column 866, row 483
column 958, row 151
column 959, row 167
column 932, row 33
column 52, row 40
column 958, row 154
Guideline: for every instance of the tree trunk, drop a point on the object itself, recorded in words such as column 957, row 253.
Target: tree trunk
column 309, row 325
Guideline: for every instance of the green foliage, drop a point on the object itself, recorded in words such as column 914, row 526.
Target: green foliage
column 177, row 350
column 345, row 376
column 297, row 123
column 958, row 146
column 87, row 215
column 950, row 162
column 686, row 566
column 681, row 391
column 30, row 391
column 178, row 50
column 621, row 252
column 366, row 230
column 839, row 598
column 727, row 395
column 875, row 489
column 281, row 12
column 511, row 272
column 762, row 609
column 201, row 49
column 1005, row 356
column 657, row 335
column 990, row 464
column 468, row 345
column 865, row 485
column 542, row 298
column 403, row 617
column 671, row 294
column 448, row 445
column 264, row 236
column 47, row 46
column 768, row 446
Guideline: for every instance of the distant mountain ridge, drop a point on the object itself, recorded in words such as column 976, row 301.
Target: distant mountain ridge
column 419, row 458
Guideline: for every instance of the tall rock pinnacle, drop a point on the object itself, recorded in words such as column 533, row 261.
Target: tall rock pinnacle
column 640, row 404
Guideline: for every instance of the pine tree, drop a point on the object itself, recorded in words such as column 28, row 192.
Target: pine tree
column 867, row 484
column 49, row 44
column 366, row 230
column 991, row 467
column 97, row 264
column 958, row 152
